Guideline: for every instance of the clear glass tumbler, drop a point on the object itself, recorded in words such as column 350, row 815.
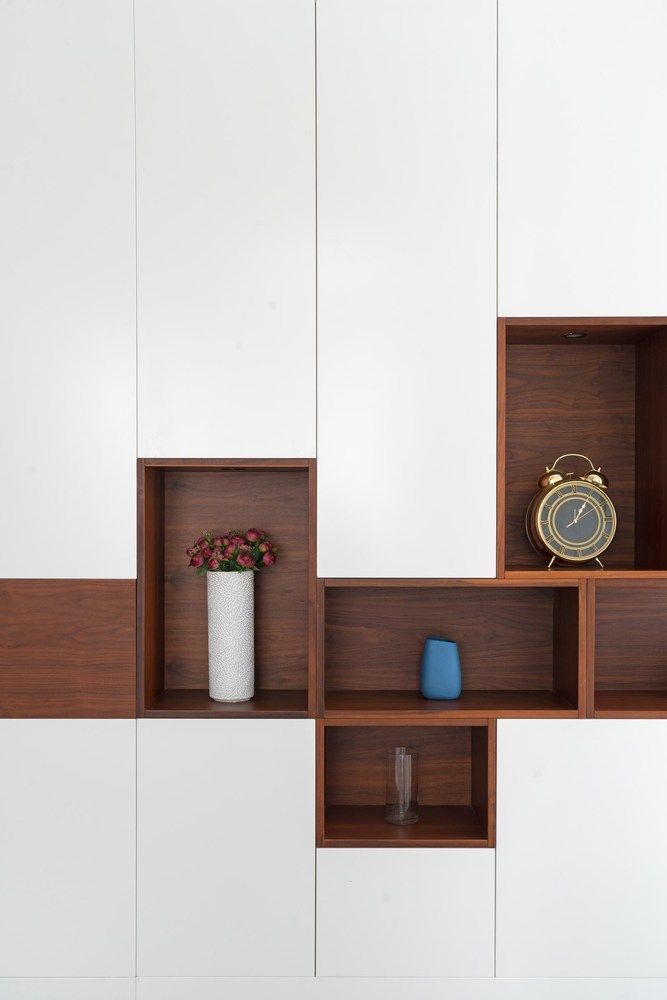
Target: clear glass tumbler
column 402, row 786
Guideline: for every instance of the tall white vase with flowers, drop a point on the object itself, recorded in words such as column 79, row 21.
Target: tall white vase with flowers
column 230, row 562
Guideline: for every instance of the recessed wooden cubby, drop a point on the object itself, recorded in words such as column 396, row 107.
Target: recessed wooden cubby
column 522, row 647
column 177, row 500
column 456, row 785
column 603, row 395
column 628, row 648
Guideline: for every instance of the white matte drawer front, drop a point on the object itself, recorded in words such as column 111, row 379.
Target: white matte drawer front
column 67, row 849
column 226, row 857
column 582, row 869
column 405, row 912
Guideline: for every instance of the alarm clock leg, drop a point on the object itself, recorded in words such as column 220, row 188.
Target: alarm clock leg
column 599, row 562
column 553, row 560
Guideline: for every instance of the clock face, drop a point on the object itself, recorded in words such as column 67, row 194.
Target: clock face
column 576, row 521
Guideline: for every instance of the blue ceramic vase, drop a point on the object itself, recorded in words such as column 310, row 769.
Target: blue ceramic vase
column 440, row 669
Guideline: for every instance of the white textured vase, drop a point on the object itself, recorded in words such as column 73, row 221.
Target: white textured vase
column 231, row 635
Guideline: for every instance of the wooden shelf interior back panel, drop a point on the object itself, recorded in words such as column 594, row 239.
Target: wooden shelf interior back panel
column 179, row 502
column 630, row 648
column 67, row 649
column 519, row 648
column 605, row 396
column 455, row 785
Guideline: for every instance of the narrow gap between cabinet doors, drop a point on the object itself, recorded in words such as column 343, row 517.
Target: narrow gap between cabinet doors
column 317, row 304
column 136, row 448
column 136, row 241
column 317, row 375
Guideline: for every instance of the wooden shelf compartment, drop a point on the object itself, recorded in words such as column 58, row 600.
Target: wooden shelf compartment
column 628, row 649
column 180, row 498
column 522, row 648
column 604, row 395
column 456, row 784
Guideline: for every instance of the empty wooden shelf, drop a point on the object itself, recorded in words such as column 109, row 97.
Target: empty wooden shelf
column 178, row 499
column 628, row 649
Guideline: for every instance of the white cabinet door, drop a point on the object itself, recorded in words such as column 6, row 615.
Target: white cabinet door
column 67, row 848
column 226, row 227
column 406, row 287
column 582, row 158
column 226, row 855
column 581, row 864
column 67, row 300
column 405, row 912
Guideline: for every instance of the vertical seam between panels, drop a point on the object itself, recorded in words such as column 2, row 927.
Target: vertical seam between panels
column 136, row 448
column 495, row 849
column 317, row 373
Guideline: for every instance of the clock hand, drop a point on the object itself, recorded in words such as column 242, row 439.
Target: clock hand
column 577, row 515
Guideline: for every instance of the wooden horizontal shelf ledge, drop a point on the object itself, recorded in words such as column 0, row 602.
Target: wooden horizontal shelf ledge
column 570, row 574
column 438, row 826
column 630, row 704
column 194, row 703
column 366, row 705
column 533, row 579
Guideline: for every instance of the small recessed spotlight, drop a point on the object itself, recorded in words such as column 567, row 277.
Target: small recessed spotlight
column 574, row 335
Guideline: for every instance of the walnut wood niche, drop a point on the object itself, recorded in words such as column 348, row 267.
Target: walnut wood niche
column 456, row 784
column 177, row 500
column 594, row 386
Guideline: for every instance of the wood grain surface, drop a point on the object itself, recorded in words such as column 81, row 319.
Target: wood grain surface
column 630, row 637
column 356, row 763
column 577, row 397
column 178, row 501
column 374, row 637
column 67, row 649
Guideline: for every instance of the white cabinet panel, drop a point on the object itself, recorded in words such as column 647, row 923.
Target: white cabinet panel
column 67, row 312
column 226, row 857
column 226, row 227
column 406, row 287
column 581, row 865
column 67, row 848
column 400, row 912
column 393, row 989
column 582, row 158
column 68, row 989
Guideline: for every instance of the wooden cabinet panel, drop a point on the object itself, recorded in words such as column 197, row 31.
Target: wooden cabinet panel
column 582, row 158
column 581, row 874
column 226, row 228
column 390, row 912
column 406, row 288
column 67, row 258
column 67, row 648
column 67, row 849
column 226, row 847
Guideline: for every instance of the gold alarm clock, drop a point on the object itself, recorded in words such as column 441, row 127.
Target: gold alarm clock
column 571, row 519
